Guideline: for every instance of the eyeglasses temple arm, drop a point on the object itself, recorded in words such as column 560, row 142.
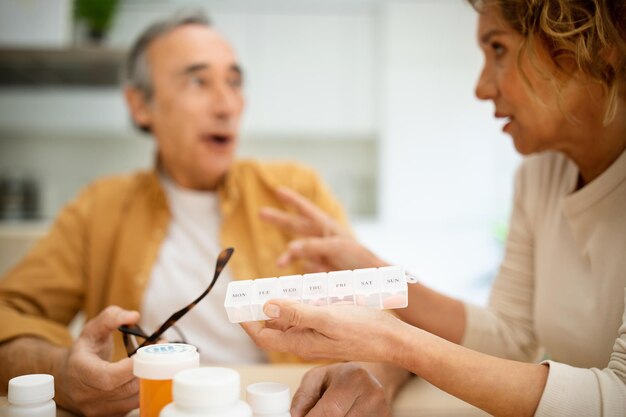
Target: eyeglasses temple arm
column 222, row 260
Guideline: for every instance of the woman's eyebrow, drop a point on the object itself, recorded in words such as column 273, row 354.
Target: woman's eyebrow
column 485, row 38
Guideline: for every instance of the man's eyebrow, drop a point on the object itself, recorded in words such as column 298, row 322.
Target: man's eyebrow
column 194, row 68
column 201, row 66
column 493, row 32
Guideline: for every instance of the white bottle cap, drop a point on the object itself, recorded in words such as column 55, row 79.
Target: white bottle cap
column 30, row 389
column 268, row 397
column 163, row 361
column 206, row 387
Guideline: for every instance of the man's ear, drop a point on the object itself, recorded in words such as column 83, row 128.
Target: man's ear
column 138, row 106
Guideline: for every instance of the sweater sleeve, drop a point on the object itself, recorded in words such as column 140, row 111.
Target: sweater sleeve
column 44, row 291
column 592, row 392
column 505, row 328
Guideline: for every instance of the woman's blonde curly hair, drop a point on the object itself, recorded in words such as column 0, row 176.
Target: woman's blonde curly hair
column 592, row 33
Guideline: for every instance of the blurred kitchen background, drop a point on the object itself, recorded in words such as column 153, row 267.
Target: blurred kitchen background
column 377, row 95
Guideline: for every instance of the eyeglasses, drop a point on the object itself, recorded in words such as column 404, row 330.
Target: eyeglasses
column 133, row 334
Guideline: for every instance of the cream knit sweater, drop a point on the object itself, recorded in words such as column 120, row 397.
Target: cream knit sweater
column 560, row 291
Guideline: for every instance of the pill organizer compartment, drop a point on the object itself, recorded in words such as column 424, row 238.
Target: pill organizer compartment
column 341, row 287
column 315, row 289
column 290, row 287
column 265, row 289
column 394, row 289
column 238, row 299
column 367, row 287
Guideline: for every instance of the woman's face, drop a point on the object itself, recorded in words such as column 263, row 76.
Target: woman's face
column 535, row 112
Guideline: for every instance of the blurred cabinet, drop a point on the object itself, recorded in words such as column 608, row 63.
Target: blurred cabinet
column 89, row 66
column 16, row 239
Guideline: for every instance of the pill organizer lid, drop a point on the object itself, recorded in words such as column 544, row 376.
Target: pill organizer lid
column 164, row 360
column 238, row 286
column 206, row 387
column 293, row 283
column 392, row 272
column 268, row 397
column 31, row 389
column 266, row 284
column 372, row 274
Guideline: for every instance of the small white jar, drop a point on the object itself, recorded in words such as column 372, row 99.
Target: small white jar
column 207, row 392
column 269, row 399
column 31, row 396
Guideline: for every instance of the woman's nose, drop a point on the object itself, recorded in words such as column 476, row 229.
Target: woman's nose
column 486, row 88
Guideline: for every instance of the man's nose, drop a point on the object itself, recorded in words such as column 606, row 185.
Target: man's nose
column 225, row 102
column 486, row 88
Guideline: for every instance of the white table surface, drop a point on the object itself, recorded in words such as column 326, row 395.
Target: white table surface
column 418, row 398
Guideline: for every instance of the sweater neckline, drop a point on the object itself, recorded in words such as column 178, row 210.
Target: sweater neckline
column 597, row 189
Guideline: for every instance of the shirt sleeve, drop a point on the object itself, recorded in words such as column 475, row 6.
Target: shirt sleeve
column 592, row 392
column 505, row 328
column 44, row 291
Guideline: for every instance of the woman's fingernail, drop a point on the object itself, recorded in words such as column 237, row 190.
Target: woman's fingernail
column 272, row 310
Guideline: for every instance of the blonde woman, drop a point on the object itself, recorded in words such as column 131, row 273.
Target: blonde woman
column 556, row 71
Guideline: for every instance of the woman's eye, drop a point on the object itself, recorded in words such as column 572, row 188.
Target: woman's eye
column 498, row 48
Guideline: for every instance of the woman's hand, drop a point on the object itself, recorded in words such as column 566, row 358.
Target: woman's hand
column 330, row 254
column 328, row 332
column 307, row 221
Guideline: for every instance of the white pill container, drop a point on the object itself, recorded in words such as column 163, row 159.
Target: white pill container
column 207, row 392
column 31, row 396
column 269, row 399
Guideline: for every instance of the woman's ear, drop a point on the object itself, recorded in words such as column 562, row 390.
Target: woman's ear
column 138, row 107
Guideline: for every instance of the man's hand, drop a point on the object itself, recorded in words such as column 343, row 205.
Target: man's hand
column 341, row 390
column 87, row 382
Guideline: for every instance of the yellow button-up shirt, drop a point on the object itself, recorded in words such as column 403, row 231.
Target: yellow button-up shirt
column 102, row 246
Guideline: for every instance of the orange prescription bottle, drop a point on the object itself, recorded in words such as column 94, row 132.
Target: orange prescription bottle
column 155, row 366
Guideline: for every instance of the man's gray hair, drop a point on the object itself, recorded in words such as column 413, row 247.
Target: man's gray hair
column 137, row 70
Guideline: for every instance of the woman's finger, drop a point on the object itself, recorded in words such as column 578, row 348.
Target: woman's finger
column 301, row 204
column 299, row 315
column 289, row 222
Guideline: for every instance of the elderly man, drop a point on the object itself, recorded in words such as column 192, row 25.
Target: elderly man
column 135, row 248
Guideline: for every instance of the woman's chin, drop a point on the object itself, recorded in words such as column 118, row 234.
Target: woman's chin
column 523, row 147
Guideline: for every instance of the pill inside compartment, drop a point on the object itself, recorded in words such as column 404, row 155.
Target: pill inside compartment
column 367, row 287
column 238, row 301
column 315, row 289
column 393, row 287
column 341, row 288
column 265, row 289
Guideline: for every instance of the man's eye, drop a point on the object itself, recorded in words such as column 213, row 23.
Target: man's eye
column 235, row 82
column 197, row 81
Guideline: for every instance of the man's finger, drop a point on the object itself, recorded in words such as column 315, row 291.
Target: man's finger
column 333, row 404
column 309, row 392
column 100, row 327
column 105, row 376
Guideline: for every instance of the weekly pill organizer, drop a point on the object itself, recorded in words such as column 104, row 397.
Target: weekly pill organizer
column 384, row 287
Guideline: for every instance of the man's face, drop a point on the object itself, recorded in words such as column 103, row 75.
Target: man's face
column 195, row 111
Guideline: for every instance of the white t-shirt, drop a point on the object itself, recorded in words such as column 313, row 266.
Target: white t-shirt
column 183, row 270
